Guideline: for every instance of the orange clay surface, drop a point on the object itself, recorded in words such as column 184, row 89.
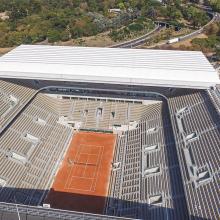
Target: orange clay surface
column 82, row 181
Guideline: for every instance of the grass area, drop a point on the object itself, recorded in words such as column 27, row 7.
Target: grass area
column 188, row 42
column 137, row 28
column 100, row 40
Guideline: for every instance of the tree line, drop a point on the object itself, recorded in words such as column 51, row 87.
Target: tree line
column 32, row 21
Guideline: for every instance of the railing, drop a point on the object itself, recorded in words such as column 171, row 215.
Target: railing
column 52, row 213
column 200, row 30
column 96, row 130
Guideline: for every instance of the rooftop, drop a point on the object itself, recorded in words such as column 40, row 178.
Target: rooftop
column 168, row 68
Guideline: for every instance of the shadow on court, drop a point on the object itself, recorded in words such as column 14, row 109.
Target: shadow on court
column 30, row 211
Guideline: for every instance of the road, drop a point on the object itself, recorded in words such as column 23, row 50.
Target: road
column 138, row 41
column 215, row 17
column 162, row 25
column 198, row 32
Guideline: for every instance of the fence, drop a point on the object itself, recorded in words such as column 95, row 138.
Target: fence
column 51, row 213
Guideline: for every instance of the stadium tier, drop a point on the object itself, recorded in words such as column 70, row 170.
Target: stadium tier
column 73, row 147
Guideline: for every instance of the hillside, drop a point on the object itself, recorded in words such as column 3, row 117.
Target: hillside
column 50, row 21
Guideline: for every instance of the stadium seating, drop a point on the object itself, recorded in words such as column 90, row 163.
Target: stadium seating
column 214, row 96
column 85, row 110
column 163, row 167
column 199, row 154
column 30, row 152
column 14, row 94
column 148, row 183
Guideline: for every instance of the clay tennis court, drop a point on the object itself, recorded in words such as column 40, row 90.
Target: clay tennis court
column 82, row 181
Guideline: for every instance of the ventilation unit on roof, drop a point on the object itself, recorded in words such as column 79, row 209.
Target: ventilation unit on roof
column 155, row 200
column 31, row 138
column 191, row 137
column 116, row 166
column 99, row 112
column 152, row 170
column 113, row 114
column 13, row 100
column 203, row 176
column 150, row 148
column 183, row 110
column 2, row 182
column 40, row 121
column 18, row 157
column 150, row 130
column 85, row 112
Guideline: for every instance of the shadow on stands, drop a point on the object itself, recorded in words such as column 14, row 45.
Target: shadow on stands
column 96, row 204
column 75, row 206
column 214, row 114
column 107, row 90
column 176, row 182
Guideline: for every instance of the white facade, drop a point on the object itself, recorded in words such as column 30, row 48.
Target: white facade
column 166, row 68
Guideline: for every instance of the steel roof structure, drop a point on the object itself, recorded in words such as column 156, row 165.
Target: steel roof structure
column 165, row 68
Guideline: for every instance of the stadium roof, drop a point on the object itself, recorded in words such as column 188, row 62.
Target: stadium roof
column 166, row 68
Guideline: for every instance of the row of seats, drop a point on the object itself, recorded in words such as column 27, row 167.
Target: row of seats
column 106, row 89
column 97, row 114
column 146, row 181
column 31, row 150
column 14, row 94
column 195, row 119
column 214, row 96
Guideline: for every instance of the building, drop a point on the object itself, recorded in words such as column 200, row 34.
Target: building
column 162, row 108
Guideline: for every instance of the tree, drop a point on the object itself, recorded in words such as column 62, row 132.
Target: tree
column 65, row 36
column 196, row 16
column 17, row 12
column 35, row 6
column 83, row 27
column 173, row 13
column 53, row 36
column 215, row 4
column 212, row 29
column 121, row 5
column 217, row 53
column 4, row 29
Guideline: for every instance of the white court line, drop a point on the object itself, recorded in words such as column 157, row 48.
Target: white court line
column 95, row 174
column 88, row 178
column 77, row 157
column 97, row 167
column 100, row 164
column 85, row 166
column 67, row 181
